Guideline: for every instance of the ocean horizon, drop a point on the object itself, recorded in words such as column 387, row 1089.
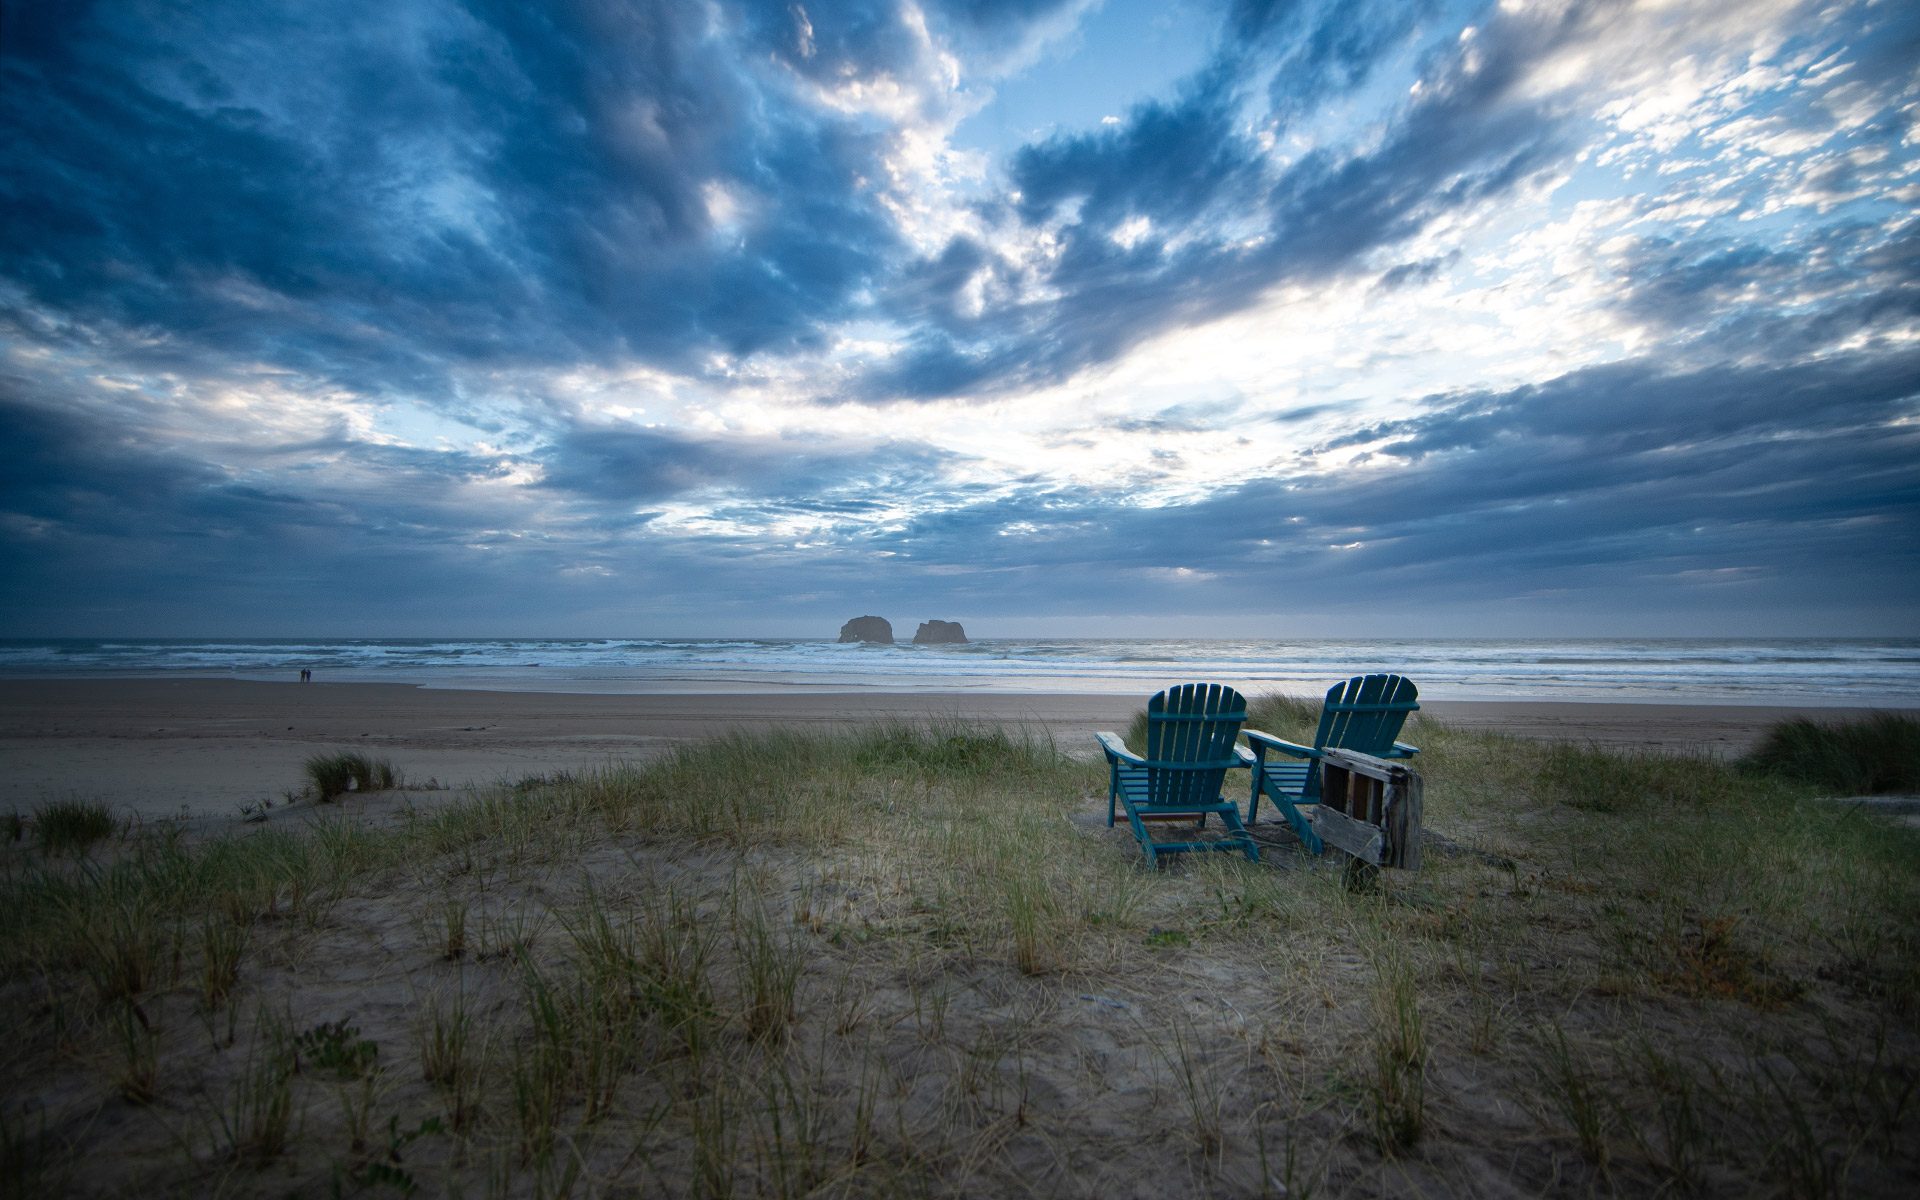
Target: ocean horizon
column 1871, row 672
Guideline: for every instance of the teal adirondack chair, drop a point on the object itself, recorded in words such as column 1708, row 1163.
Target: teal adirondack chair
column 1363, row 714
column 1191, row 732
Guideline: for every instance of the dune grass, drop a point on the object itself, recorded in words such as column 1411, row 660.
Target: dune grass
column 334, row 775
column 71, row 826
column 1855, row 758
column 914, row 961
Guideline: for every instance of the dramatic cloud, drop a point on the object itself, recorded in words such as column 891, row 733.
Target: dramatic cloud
column 635, row 316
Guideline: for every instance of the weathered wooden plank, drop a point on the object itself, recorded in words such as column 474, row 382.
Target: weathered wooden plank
column 1405, row 813
column 1362, row 764
column 1363, row 841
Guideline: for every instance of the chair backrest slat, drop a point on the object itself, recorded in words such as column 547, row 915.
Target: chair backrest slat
column 1365, row 714
column 1191, row 731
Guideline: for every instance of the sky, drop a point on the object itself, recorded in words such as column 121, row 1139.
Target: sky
column 630, row 318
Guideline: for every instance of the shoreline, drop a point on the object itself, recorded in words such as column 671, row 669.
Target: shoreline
column 720, row 682
column 206, row 747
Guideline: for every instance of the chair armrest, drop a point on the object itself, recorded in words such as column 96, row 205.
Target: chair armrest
column 1117, row 750
column 1402, row 750
column 1243, row 755
column 1266, row 741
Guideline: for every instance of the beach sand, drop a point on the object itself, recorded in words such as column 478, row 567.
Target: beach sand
column 207, row 747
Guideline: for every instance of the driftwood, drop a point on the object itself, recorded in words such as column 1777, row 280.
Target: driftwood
column 1369, row 808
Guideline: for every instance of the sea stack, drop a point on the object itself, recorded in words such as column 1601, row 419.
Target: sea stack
column 938, row 633
column 867, row 629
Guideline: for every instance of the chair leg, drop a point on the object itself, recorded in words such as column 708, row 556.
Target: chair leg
column 1141, row 835
column 1231, row 819
column 1301, row 826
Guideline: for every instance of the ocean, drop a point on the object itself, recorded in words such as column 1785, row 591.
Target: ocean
column 1882, row 672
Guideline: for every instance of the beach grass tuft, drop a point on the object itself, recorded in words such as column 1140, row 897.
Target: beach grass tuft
column 1876, row 755
column 334, row 775
column 71, row 826
column 259, row 1109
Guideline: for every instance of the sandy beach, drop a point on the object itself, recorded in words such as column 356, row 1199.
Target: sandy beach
column 209, row 746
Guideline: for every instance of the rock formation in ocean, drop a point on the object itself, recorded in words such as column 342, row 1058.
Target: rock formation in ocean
column 867, row 629
column 935, row 633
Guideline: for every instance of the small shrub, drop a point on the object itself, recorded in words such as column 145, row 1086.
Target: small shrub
column 386, row 1171
column 1709, row 960
column 71, row 826
column 1877, row 755
column 338, row 1047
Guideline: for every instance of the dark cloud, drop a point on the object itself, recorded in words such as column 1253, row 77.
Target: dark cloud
column 1412, row 274
column 1673, row 284
column 506, row 183
column 1167, row 162
column 66, row 475
column 1635, row 407
column 1319, row 51
column 1599, row 482
column 647, row 465
column 1721, row 298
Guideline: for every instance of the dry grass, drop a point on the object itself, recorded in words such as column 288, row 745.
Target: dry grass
column 916, row 962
